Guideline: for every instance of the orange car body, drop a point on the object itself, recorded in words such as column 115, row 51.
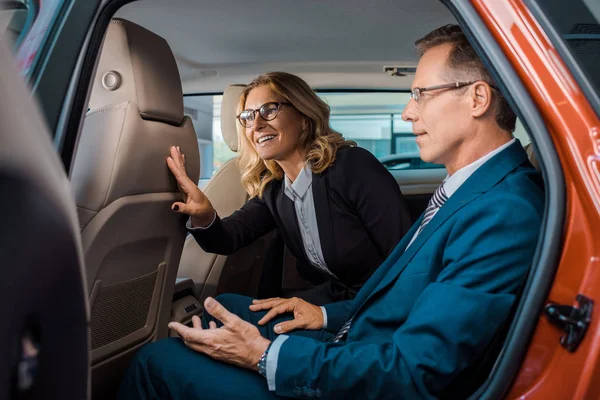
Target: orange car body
column 548, row 370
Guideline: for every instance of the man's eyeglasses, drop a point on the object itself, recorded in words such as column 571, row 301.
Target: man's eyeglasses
column 417, row 92
column 268, row 112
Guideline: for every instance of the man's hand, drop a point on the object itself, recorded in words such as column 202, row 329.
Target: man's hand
column 236, row 342
column 306, row 315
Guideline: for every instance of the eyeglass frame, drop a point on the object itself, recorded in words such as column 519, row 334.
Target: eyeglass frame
column 454, row 85
column 278, row 103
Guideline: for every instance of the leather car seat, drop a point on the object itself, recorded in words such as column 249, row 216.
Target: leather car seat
column 132, row 240
column 531, row 155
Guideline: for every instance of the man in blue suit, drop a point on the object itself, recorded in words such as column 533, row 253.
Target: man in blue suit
column 430, row 309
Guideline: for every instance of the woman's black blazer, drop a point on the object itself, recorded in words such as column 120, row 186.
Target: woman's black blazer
column 361, row 216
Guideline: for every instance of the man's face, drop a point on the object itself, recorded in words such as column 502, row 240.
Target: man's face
column 441, row 119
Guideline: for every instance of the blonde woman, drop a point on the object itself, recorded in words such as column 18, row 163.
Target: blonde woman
column 336, row 208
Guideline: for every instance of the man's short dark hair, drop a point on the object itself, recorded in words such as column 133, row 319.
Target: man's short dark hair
column 464, row 64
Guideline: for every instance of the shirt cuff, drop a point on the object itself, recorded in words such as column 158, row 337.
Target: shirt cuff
column 324, row 317
column 272, row 358
column 188, row 224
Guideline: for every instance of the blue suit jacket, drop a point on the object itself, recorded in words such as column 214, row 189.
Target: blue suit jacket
column 428, row 312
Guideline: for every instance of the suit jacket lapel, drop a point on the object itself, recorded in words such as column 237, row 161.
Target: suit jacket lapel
column 484, row 178
column 289, row 220
column 442, row 215
column 324, row 224
column 370, row 285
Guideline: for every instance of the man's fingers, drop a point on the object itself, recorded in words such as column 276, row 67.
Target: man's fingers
column 266, row 304
column 217, row 310
column 260, row 301
column 186, row 333
column 196, row 322
column 212, row 325
column 275, row 311
column 289, row 326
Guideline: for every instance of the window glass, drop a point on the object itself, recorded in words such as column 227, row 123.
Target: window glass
column 372, row 120
column 205, row 113
column 578, row 23
column 27, row 23
column 13, row 19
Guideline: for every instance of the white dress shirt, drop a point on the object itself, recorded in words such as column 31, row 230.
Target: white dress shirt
column 452, row 182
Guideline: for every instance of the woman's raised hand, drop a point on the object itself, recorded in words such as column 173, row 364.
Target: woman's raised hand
column 195, row 203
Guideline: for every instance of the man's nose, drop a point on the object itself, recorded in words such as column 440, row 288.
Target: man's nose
column 410, row 113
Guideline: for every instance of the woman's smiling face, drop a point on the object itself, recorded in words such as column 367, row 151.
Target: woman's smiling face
column 278, row 138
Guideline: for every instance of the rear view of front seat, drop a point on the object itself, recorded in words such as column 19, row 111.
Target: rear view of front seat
column 132, row 240
column 226, row 193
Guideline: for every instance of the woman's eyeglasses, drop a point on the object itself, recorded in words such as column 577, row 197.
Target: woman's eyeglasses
column 268, row 112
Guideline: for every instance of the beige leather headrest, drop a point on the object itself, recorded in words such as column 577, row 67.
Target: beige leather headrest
column 229, row 104
column 531, row 155
column 138, row 66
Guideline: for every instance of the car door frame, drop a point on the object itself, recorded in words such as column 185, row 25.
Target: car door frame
column 509, row 35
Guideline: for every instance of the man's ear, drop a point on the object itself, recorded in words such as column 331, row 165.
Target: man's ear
column 481, row 99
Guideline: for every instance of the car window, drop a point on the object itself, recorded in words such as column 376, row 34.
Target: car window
column 205, row 113
column 27, row 23
column 15, row 17
column 372, row 120
column 578, row 24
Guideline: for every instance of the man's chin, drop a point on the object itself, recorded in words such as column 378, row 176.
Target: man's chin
column 423, row 155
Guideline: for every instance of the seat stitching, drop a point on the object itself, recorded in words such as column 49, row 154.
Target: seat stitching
column 112, row 107
column 112, row 171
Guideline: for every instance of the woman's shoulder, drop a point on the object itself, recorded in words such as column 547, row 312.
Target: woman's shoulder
column 355, row 158
column 355, row 168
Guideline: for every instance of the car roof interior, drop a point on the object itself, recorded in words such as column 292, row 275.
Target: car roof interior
column 219, row 43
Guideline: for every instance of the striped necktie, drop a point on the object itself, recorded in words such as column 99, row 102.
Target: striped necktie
column 435, row 203
column 342, row 332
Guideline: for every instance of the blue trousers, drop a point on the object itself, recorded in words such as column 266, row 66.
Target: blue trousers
column 167, row 369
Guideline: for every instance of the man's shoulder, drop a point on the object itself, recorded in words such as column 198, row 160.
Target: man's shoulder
column 515, row 200
column 524, row 182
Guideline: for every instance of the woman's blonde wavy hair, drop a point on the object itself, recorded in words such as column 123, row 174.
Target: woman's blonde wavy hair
column 319, row 140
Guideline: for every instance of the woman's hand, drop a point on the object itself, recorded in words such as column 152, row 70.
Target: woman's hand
column 195, row 203
column 306, row 315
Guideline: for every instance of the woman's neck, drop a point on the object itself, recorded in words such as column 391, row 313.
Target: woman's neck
column 292, row 165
